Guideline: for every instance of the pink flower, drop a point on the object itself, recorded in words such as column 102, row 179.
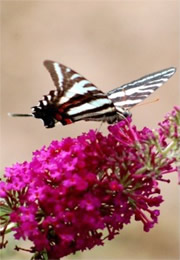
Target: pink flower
column 74, row 189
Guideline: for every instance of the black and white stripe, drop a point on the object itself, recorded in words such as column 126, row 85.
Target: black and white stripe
column 136, row 91
column 76, row 98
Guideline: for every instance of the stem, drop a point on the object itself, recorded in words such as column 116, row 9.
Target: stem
column 168, row 148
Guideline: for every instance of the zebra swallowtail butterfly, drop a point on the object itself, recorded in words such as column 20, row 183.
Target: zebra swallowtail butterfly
column 76, row 98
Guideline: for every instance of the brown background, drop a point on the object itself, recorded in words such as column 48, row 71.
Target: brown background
column 110, row 43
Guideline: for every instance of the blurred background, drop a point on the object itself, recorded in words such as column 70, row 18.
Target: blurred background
column 110, row 43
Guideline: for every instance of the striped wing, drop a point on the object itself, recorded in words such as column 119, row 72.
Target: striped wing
column 74, row 99
column 136, row 91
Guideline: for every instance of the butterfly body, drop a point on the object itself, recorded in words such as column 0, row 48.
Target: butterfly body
column 76, row 98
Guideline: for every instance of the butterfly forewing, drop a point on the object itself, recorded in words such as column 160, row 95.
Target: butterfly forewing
column 136, row 91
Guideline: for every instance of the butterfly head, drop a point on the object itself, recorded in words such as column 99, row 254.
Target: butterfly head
column 122, row 113
column 127, row 113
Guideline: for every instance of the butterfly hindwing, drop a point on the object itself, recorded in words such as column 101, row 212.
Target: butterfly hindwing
column 74, row 99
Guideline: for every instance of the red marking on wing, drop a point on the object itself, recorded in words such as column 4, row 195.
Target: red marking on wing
column 68, row 121
column 58, row 117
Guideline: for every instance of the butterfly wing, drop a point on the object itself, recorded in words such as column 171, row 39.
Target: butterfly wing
column 136, row 91
column 74, row 99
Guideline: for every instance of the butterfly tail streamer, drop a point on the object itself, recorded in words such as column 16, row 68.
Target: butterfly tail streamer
column 19, row 115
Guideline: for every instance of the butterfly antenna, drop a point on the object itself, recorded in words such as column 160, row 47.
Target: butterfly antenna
column 19, row 115
column 146, row 103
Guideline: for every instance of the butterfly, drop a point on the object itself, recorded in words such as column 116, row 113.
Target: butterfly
column 76, row 98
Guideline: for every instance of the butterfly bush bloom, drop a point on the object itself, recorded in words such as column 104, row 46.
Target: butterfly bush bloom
column 74, row 189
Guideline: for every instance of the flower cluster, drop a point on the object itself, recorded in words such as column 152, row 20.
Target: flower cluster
column 74, row 189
